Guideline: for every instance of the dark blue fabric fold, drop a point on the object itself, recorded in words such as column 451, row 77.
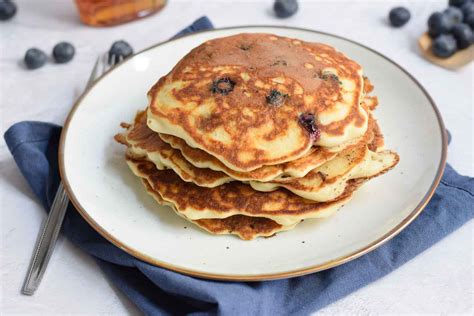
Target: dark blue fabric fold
column 157, row 291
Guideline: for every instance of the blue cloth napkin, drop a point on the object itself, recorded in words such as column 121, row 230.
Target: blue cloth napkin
column 157, row 291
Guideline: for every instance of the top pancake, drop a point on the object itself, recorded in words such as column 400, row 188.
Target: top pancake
column 257, row 99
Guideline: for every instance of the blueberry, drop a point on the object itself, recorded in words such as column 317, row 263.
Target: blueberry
column 439, row 23
column 35, row 58
column 7, row 10
column 276, row 98
column 285, row 8
column 469, row 20
column 327, row 75
column 455, row 15
column 468, row 8
column 119, row 50
column 463, row 35
column 399, row 16
column 457, row 3
column 444, row 46
column 63, row 52
column 308, row 121
column 222, row 86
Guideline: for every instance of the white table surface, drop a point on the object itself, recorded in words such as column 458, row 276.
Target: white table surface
column 438, row 281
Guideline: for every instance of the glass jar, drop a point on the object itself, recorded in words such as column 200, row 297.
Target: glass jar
column 113, row 12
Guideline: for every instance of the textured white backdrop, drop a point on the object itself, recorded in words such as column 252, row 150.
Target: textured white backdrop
column 438, row 281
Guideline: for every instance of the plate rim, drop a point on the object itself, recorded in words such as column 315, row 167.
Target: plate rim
column 257, row 277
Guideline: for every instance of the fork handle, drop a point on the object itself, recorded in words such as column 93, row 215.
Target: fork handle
column 46, row 241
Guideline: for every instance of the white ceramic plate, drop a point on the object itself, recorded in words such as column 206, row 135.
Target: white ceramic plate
column 114, row 202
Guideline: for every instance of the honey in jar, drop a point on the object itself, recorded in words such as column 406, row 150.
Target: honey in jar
column 113, row 12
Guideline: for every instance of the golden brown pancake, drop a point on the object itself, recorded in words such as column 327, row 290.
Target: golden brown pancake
column 322, row 184
column 257, row 99
column 362, row 161
column 234, row 198
column 253, row 133
column 329, row 181
column 245, row 227
column 143, row 142
column 293, row 169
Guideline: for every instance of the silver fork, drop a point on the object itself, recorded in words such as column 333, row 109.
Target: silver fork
column 51, row 227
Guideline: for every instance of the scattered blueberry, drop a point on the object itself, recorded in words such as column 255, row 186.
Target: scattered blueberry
column 276, row 98
column 439, row 23
column 454, row 14
column 35, row 58
column 468, row 8
column 457, row 3
column 463, row 35
column 308, row 121
column 7, row 10
column 222, row 86
column 119, row 49
column 452, row 29
column 469, row 20
column 444, row 46
column 63, row 52
column 399, row 16
column 285, row 8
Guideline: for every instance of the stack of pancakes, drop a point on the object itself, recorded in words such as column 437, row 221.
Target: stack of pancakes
column 253, row 133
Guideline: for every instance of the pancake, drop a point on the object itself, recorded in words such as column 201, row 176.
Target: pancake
column 252, row 100
column 322, row 184
column 329, row 181
column 245, row 227
column 293, row 169
column 143, row 142
column 234, row 198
